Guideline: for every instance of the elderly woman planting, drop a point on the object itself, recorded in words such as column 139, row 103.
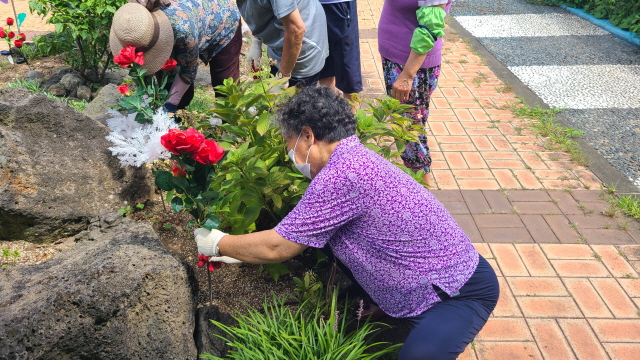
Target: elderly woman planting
column 400, row 243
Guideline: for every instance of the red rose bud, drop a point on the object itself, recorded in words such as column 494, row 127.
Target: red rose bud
column 22, row 37
column 209, row 153
column 180, row 142
column 170, row 65
column 9, row 21
column 11, row 34
column 177, row 170
column 3, row 34
column 124, row 89
column 18, row 43
column 202, row 260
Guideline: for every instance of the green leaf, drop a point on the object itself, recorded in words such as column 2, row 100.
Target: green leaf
column 163, row 180
column 211, row 222
column 277, row 200
column 177, row 204
column 263, row 124
column 276, row 270
column 180, row 183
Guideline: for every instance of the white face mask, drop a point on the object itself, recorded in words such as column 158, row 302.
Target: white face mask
column 305, row 168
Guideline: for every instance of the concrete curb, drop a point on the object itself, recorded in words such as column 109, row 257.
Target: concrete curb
column 604, row 24
column 599, row 165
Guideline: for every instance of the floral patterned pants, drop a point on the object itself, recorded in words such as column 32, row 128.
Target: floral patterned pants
column 416, row 156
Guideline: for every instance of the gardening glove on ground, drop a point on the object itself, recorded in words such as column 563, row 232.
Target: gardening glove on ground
column 255, row 53
column 430, row 28
column 207, row 241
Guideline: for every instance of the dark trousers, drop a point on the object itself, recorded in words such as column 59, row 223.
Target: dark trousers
column 444, row 330
column 224, row 65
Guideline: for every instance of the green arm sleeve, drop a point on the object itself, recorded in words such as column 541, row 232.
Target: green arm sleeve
column 430, row 28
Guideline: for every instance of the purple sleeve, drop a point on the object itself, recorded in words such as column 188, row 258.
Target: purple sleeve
column 330, row 202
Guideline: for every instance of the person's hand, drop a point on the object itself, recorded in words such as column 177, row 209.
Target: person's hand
column 170, row 108
column 255, row 54
column 402, row 86
column 207, row 241
column 225, row 259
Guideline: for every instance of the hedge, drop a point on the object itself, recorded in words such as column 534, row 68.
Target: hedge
column 624, row 14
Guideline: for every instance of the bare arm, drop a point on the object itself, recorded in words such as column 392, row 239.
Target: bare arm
column 264, row 247
column 294, row 30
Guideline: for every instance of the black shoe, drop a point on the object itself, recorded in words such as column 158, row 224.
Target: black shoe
column 5, row 52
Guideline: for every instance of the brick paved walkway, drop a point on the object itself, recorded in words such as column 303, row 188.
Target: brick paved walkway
column 568, row 272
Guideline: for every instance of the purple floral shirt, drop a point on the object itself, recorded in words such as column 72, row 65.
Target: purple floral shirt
column 390, row 231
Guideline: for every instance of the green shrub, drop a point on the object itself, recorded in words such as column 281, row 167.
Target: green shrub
column 30, row 84
column 624, row 14
column 51, row 44
column 313, row 331
column 87, row 24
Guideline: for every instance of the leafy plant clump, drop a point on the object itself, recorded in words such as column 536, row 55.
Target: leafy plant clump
column 545, row 124
column 87, row 23
column 9, row 257
column 34, row 86
column 624, row 14
column 313, row 331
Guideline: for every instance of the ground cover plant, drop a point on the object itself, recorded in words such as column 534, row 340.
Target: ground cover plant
column 545, row 124
column 624, row 14
column 313, row 331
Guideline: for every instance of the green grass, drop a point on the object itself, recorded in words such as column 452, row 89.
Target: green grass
column 313, row 331
column 29, row 84
column 545, row 124
column 630, row 205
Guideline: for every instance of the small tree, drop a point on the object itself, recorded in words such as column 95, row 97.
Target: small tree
column 88, row 23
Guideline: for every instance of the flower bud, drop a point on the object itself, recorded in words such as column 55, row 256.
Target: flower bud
column 9, row 21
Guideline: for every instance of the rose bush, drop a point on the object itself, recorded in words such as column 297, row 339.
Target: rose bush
column 192, row 172
column 151, row 94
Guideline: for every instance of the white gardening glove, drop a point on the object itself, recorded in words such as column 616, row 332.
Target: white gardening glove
column 207, row 241
column 255, row 54
column 225, row 259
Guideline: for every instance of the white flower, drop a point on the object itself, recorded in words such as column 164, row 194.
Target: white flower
column 136, row 144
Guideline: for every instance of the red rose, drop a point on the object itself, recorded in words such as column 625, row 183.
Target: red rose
column 128, row 56
column 177, row 170
column 9, row 21
column 22, row 37
column 18, row 43
column 170, row 65
column 124, row 89
column 11, row 34
column 209, row 153
column 3, row 34
column 179, row 142
column 139, row 58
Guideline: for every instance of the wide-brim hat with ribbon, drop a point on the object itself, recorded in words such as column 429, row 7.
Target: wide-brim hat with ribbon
column 149, row 32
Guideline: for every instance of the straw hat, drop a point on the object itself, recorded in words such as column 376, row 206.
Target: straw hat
column 151, row 33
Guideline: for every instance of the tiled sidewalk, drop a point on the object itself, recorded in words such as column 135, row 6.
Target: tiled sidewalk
column 562, row 301
column 475, row 142
column 568, row 273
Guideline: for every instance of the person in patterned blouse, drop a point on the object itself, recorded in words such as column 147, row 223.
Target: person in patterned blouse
column 207, row 30
column 396, row 239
